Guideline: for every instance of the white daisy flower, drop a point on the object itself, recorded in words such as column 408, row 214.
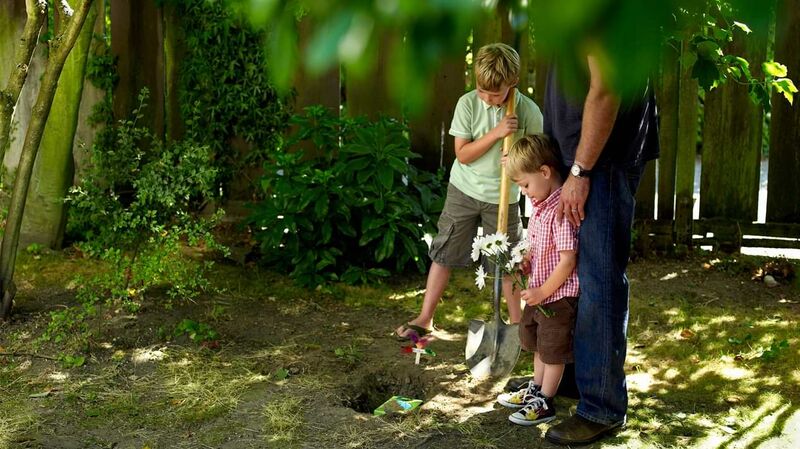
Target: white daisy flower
column 501, row 242
column 480, row 277
column 519, row 251
column 477, row 243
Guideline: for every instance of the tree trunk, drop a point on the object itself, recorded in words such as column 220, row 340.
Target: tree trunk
column 63, row 43
column 22, row 57
column 45, row 211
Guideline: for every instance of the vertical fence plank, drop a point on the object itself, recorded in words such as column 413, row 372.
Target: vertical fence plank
column 369, row 94
column 783, row 200
column 174, row 46
column 687, row 149
column 322, row 90
column 429, row 131
column 137, row 42
column 732, row 140
column 668, row 88
column 488, row 31
column 646, row 194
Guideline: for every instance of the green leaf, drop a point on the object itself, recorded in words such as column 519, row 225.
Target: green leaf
column 280, row 374
column 742, row 26
column 321, row 207
column 323, row 50
column 706, row 73
column 283, row 46
column 386, row 176
column 327, row 231
column 709, row 50
column 774, row 69
column 386, row 247
column 745, row 66
column 786, row 87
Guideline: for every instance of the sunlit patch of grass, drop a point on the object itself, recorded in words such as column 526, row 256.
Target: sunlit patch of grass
column 200, row 389
column 477, row 435
column 357, row 436
column 284, row 421
column 16, row 417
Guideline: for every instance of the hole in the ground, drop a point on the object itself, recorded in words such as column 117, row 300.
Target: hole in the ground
column 375, row 388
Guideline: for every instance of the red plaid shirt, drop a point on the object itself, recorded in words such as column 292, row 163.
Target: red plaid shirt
column 547, row 237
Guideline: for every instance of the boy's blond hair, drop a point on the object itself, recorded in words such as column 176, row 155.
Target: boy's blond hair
column 496, row 66
column 529, row 154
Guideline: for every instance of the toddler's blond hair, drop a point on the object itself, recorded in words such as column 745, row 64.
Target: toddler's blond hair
column 529, row 154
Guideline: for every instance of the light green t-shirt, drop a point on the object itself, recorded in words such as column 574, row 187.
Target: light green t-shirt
column 473, row 118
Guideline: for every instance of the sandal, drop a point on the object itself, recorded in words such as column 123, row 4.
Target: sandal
column 419, row 330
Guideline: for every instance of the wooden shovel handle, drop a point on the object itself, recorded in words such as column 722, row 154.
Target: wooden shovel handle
column 502, row 209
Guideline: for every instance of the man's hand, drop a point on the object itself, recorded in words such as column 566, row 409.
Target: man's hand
column 508, row 125
column 573, row 198
column 532, row 296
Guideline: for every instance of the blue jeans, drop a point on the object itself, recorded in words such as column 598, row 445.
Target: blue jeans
column 602, row 320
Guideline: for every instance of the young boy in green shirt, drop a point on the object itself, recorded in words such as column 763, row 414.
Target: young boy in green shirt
column 473, row 194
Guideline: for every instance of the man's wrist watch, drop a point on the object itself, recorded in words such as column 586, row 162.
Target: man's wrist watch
column 578, row 171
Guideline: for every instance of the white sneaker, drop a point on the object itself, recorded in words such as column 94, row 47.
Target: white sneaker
column 521, row 397
column 538, row 411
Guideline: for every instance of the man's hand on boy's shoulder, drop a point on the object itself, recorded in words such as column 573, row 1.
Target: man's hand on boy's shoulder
column 509, row 125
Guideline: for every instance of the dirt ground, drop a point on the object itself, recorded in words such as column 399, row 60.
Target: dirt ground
column 305, row 369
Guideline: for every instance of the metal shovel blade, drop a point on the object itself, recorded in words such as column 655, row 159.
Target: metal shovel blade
column 492, row 348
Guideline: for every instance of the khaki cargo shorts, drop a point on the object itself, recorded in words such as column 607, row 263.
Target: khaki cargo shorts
column 458, row 226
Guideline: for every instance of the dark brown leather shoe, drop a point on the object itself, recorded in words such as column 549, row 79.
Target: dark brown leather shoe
column 576, row 430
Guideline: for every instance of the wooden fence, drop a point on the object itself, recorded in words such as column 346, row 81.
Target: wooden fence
column 144, row 36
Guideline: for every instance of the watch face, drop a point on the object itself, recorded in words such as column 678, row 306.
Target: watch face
column 575, row 170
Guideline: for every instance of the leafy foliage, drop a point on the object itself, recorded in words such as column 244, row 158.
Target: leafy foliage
column 134, row 211
column 425, row 33
column 421, row 34
column 197, row 332
column 224, row 92
column 352, row 211
column 711, row 33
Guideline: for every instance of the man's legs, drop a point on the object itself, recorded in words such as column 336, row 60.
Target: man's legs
column 602, row 319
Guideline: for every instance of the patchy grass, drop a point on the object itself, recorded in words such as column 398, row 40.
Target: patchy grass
column 713, row 362
column 284, row 421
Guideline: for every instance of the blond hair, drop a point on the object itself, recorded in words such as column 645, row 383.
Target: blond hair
column 496, row 66
column 529, row 154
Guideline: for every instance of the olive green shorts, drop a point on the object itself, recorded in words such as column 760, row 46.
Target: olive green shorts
column 458, row 226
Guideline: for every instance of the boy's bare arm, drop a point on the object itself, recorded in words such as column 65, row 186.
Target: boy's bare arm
column 566, row 264
column 468, row 151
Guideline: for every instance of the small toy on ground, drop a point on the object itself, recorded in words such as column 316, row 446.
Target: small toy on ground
column 397, row 404
column 418, row 347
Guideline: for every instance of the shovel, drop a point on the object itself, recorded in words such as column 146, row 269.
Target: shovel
column 493, row 347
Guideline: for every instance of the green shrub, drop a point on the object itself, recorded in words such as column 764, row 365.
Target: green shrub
column 224, row 89
column 354, row 210
column 134, row 210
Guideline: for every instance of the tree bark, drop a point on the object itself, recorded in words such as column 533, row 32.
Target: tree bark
column 53, row 171
column 60, row 49
column 36, row 10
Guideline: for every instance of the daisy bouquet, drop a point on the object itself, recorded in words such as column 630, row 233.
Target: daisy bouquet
column 512, row 261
